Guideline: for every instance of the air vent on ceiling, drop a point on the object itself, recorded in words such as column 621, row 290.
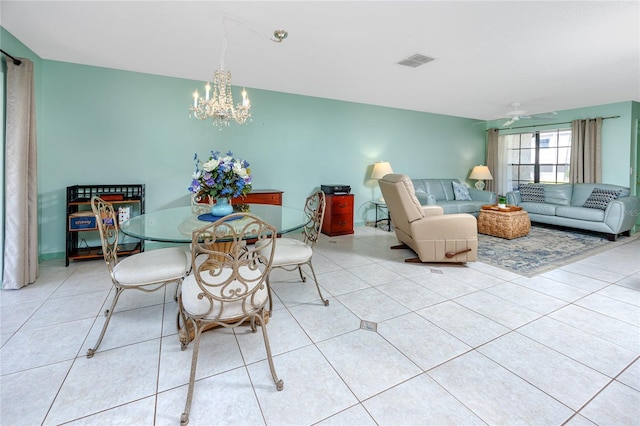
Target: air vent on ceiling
column 415, row 60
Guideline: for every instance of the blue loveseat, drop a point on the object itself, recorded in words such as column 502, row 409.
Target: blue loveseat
column 440, row 192
column 564, row 205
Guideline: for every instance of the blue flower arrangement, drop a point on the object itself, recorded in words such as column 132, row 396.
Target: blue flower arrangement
column 221, row 176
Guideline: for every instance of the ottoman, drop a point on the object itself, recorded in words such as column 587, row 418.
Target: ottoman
column 503, row 222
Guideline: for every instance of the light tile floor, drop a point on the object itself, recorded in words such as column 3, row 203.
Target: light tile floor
column 454, row 344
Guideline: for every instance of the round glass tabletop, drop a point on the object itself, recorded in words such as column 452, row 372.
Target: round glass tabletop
column 175, row 225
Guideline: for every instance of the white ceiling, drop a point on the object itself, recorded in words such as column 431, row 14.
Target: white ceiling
column 547, row 55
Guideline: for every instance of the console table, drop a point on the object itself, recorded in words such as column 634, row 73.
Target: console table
column 260, row 196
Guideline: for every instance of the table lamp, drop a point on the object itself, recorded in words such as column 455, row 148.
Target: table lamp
column 481, row 173
column 380, row 169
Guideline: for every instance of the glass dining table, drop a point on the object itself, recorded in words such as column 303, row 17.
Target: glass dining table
column 175, row 225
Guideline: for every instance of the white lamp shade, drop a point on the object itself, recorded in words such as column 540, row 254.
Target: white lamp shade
column 481, row 173
column 380, row 169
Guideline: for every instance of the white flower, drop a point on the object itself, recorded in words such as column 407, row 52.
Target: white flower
column 196, row 174
column 210, row 165
column 239, row 169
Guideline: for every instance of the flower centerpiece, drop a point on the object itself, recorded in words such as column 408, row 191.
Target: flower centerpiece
column 221, row 178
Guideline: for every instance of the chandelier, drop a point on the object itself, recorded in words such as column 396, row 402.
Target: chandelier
column 218, row 105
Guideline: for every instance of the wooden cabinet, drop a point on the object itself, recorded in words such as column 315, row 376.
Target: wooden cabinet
column 338, row 216
column 82, row 235
column 260, row 196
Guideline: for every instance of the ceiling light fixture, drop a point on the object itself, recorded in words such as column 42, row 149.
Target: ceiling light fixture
column 218, row 104
column 279, row 35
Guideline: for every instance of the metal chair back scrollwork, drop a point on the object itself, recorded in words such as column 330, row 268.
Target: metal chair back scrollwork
column 227, row 286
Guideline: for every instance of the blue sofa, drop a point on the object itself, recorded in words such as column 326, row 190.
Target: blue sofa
column 439, row 192
column 563, row 205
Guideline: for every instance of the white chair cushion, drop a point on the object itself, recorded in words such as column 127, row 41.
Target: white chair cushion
column 152, row 266
column 195, row 306
column 290, row 252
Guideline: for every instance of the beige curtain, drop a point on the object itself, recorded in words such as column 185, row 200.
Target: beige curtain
column 493, row 151
column 21, row 191
column 586, row 151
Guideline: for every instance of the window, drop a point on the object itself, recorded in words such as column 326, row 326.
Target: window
column 538, row 156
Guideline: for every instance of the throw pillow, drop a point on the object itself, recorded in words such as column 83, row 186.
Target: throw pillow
column 461, row 192
column 532, row 192
column 600, row 198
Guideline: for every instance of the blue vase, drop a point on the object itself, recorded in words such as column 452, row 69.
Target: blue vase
column 222, row 207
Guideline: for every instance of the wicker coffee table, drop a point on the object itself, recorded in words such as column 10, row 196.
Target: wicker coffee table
column 505, row 222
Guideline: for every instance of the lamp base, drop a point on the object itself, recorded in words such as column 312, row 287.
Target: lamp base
column 480, row 185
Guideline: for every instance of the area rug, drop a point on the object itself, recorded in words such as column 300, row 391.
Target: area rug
column 542, row 249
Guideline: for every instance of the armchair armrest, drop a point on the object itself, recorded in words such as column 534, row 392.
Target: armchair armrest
column 485, row 196
column 430, row 211
column 459, row 226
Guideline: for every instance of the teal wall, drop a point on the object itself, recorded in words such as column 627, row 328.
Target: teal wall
column 98, row 126
column 618, row 135
column 108, row 126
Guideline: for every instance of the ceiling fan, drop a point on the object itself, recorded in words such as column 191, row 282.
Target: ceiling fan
column 519, row 114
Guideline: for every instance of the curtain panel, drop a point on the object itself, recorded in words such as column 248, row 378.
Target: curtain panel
column 21, row 191
column 492, row 158
column 586, row 151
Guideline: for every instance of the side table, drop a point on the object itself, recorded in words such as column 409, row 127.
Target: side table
column 382, row 205
column 510, row 222
column 338, row 215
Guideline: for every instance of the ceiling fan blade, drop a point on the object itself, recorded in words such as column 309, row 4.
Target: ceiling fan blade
column 509, row 122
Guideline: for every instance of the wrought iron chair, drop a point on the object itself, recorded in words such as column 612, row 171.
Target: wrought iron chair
column 292, row 254
column 146, row 271
column 228, row 285
column 199, row 207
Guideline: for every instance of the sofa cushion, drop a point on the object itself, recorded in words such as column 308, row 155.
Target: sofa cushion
column 442, row 190
column 450, row 207
column 433, row 187
column 580, row 213
column 532, row 192
column 582, row 191
column 558, row 194
column 539, row 208
column 461, row 192
column 600, row 198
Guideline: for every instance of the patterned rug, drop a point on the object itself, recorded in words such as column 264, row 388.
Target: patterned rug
column 542, row 250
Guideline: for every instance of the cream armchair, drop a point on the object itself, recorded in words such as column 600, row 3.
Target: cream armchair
column 432, row 235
